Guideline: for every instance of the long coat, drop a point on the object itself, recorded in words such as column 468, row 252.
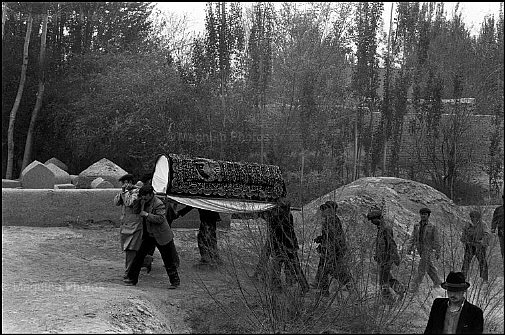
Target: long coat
column 386, row 251
column 471, row 319
column 430, row 241
column 131, row 222
column 156, row 222
column 332, row 240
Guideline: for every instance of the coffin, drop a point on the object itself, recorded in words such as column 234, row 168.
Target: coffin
column 223, row 186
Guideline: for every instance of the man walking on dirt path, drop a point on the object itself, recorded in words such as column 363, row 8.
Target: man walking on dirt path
column 332, row 251
column 386, row 253
column 158, row 233
column 426, row 239
column 284, row 248
column 454, row 314
column 130, row 230
column 475, row 237
column 497, row 223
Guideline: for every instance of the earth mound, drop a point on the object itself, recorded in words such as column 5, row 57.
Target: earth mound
column 403, row 198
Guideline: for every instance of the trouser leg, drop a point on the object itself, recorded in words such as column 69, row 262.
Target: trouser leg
column 276, row 269
column 343, row 274
column 467, row 259
column 169, row 257
column 263, row 259
column 384, row 280
column 213, row 251
column 294, row 263
column 421, row 270
column 134, row 271
column 432, row 271
column 481, row 257
column 320, row 269
column 129, row 257
column 500, row 238
column 203, row 242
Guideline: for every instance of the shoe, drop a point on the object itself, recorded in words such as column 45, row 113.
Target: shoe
column 174, row 286
column 125, row 277
column 129, row 282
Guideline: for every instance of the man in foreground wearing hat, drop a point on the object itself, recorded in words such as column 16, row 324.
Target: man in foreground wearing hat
column 386, row 253
column 454, row 314
column 425, row 238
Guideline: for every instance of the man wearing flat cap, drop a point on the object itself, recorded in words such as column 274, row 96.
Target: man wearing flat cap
column 426, row 239
column 454, row 314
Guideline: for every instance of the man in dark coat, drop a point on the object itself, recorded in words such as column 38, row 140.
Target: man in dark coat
column 158, row 233
column 284, row 246
column 497, row 224
column 475, row 237
column 426, row 239
column 386, row 253
column 455, row 315
column 332, row 250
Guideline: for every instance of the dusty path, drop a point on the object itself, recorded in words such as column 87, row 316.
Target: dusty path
column 69, row 280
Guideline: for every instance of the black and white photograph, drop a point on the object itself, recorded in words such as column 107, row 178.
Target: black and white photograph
column 253, row 167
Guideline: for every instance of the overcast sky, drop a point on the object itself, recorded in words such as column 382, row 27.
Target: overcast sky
column 473, row 12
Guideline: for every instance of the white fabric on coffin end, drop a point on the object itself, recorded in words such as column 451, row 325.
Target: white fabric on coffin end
column 160, row 176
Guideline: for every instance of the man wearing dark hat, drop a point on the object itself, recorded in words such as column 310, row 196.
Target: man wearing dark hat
column 475, row 237
column 386, row 254
column 332, row 250
column 497, row 224
column 426, row 239
column 454, row 314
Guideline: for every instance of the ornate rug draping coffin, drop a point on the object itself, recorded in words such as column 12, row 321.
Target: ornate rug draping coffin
column 185, row 176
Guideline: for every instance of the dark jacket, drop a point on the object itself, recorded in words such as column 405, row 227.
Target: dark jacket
column 282, row 230
column 386, row 252
column 429, row 241
column 497, row 221
column 475, row 235
column 332, row 239
column 471, row 319
column 156, row 222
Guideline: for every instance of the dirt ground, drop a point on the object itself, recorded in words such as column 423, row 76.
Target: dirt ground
column 69, row 280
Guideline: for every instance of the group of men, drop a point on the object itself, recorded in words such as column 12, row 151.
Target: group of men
column 146, row 224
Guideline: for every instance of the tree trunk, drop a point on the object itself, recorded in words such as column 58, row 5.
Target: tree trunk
column 40, row 93
column 4, row 17
column 12, row 118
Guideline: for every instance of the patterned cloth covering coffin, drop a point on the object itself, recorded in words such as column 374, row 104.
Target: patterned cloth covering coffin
column 185, row 176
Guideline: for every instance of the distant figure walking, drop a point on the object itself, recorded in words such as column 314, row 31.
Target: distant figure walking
column 475, row 237
column 497, row 223
column 454, row 314
column 426, row 239
column 332, row 251
column 285, row 247
column 386, row 254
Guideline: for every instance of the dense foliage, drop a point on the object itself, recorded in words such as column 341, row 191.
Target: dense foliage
column 281, row 84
